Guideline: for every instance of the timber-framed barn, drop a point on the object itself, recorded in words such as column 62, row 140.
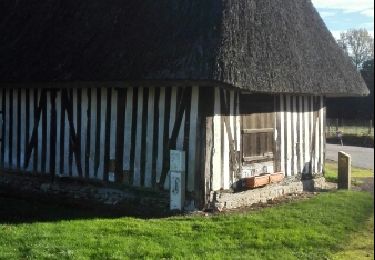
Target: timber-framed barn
column 103, row 90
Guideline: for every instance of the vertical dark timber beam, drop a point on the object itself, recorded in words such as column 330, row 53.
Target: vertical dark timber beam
column 3, row 126
column 53, row 133
column 173, row 140
column 168, row 100
column 146, row 92
column 225, row 107
column 133, row 133
column 119, row 149
column 44, row 135
column 27, row 130
column 97, row 137
column 70, row 136
column 19, row 128
column 10, row 134
column 33, row 141
column 107, row 135
column 188, row 94
column 155, row 136
column 206, row 102
column 88, row 136
column 314, row 133
column 68, row 106
column 62, row 134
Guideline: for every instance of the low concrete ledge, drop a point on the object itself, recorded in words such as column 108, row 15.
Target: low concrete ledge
column 229, row 200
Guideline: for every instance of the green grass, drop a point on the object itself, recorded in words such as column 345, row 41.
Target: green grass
column 310, row 229
column 351, row 130
column 361, row 245
column 357, row 173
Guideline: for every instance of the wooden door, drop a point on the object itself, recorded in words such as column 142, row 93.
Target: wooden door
column 257, row 133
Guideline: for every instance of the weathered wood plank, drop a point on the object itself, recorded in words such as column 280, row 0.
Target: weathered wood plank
column 128, row 128
column 167, row 135
column 255, row 131
column 233, row 128
column 161, row 143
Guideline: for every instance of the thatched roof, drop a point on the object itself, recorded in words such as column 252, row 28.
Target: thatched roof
column 258, row 45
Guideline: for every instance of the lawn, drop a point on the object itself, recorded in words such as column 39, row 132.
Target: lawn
column 357, row 173
column 361, row 245
column 318, row 228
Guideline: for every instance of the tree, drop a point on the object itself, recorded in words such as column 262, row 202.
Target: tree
column 358, row 44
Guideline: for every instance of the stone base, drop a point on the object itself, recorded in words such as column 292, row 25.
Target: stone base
column 229, row 200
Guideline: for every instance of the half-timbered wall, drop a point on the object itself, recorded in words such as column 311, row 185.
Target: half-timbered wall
column 298, row 138
column 301, row 137
column 104, row 133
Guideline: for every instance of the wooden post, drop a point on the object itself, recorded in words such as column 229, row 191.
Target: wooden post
column 344, row 171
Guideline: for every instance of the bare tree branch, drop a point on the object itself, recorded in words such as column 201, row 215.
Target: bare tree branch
column 358, row 44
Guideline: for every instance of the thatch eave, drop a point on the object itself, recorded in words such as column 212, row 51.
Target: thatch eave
column 271, row 46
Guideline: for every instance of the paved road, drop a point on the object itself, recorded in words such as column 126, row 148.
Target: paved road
column 361, row 157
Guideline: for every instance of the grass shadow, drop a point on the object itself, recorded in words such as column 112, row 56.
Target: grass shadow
column 19, row 209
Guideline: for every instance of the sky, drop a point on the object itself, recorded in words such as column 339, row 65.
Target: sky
column 341, row 15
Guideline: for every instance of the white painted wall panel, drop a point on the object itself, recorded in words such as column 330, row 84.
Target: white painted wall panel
column 216, row 160
column 138, row 151
column 150, row 138
column 193, row 138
